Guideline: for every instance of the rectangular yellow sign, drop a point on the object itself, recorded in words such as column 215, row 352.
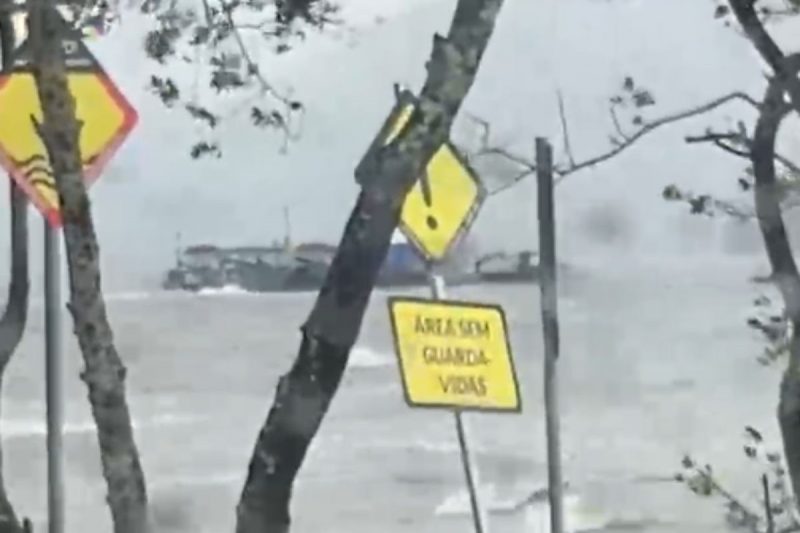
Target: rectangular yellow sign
column 454, row 354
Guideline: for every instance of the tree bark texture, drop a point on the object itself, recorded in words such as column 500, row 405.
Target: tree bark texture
column 12, row 323
column 304, row 394
column 104, row 372
column 767, row 194
column 773, row 111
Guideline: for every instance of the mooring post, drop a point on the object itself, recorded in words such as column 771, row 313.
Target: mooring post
column 549, row 306
column 54, row 379
column 479, row 516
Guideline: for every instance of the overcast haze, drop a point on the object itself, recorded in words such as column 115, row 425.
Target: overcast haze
column 152, row 189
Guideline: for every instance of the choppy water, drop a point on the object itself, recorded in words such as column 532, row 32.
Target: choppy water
column 653, row 365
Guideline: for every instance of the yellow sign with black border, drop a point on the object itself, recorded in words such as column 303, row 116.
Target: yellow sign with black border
column 454, row 355
column 444, row 201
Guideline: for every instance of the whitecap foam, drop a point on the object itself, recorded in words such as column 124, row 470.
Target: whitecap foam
column 449, row 446
column 458, row 503
column 364, row 357
column 227, row 290
column 133, row 296
column 578, row 516
column 202, row 480
column 27, row 427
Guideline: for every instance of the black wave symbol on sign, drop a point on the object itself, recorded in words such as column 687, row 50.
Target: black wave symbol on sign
column 38, row 172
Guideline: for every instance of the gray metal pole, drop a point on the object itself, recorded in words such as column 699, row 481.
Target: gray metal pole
column 480, row 519
column 549, row 304
column 54, row 380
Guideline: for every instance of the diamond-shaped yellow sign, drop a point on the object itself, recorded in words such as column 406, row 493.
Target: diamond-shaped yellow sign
column 105, row 114
column 444, row 202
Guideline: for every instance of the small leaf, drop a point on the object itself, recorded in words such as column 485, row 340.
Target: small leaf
column 203, row 148
column 752, row 433
column 643, row 98
column 201, row 113
column 628, row 84
column 671, row 193
column 774, row 457
column 699, row 204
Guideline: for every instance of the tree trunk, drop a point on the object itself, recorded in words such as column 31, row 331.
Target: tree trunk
column 767, row 199
column 12, row 323
column 304, row 394
column 104, row 372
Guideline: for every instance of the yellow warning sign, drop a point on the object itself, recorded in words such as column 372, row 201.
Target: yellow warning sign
column 106, row 116
column 454, row 354
column 444, row 202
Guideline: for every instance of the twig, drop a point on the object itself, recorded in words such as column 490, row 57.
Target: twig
column 719, row 138
column 663, row 121
column 484, row 127
column 252, row 66
column 253, row 70
column 767, row 504
column 565, row 128
column 730, row 498
column 615, row 119
column 207, row 13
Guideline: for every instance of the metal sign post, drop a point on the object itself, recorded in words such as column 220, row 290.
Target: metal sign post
column 54, row 376
column 437, row 335
column 479, row 517
column 549, row 305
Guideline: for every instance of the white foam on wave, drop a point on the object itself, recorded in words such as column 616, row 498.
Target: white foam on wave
column 458, row 504
column 133, row 296
column 202, row 480
column 420, row 445
column 364, row 357
column 578, row 516
column 10, row 428
column 227, row 290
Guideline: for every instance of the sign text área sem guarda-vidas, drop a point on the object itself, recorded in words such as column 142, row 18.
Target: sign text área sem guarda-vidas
column 454, row 354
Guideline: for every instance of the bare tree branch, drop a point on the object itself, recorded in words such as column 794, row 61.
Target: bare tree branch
column 649, row 127
column 562, row 171
column 565, row 129
column 741, row 139
column 266, row 87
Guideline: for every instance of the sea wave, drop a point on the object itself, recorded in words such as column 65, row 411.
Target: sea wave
column 227, row 290
column 531, row 505
column 199, row 480
column 365, row 357
column 28, row 427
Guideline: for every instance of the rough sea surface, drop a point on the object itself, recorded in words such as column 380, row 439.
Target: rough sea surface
column 656, row 361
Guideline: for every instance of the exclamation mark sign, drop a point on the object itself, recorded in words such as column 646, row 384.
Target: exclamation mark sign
column 427, row 197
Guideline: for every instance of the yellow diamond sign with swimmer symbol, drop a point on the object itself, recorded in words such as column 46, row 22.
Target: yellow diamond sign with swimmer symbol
column 444, row 202
column 105, row 114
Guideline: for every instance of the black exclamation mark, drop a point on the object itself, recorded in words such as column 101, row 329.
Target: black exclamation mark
column 427, row 197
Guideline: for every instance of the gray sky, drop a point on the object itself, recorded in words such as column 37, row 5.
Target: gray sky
column 152, row 189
